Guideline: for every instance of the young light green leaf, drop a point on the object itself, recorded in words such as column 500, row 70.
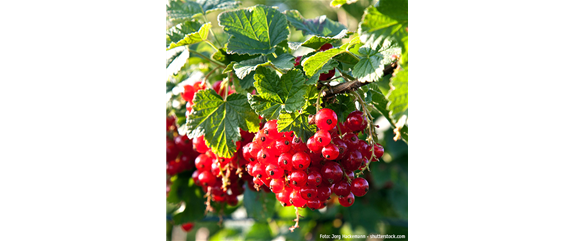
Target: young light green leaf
column 255, row 30
column 277, row 94
column 219, row 120
column 314, row 63
column 298, row 123
column 315, row 42
column 376, row 27
column 398, row 97
column 186, row 34
column 320, row 26
column 330, row 65
column 339, row 3
column 369, row 69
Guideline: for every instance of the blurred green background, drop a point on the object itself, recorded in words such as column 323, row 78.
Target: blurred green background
column 384, row 210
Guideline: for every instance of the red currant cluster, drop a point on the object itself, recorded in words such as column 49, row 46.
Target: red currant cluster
column 179, row 150
column 219, row 177
column 307, row 174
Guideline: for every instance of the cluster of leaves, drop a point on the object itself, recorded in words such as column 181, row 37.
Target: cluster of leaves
column 258, row 62
column 258, row 56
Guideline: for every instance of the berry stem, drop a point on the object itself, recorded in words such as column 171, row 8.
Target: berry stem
column 371, row 130
column 292, row 228
column 208, row 207
column 204, row 82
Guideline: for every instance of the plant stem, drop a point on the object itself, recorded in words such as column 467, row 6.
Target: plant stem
column 211, row 44
column 208, row 59
column 211, row 31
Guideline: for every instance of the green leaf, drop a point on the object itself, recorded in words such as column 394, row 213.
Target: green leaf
column 172, row 58
column 247, row 82
column 194, row 207
column 315, row 42
column 245, row 67
column 398, row 97
column 259, row 205
column 213, row 5
column 343, row 107
column 314, row 63
column 376, row 27
column 298, row 123
column 219, row 120
column 283, row 61
column 369, row 69
column 331, row 64
column 259, row 231
column 395, row 9
column 277, row 94
column 186, row 33
column 181, row 10
column 320, row 26
column 255, row 30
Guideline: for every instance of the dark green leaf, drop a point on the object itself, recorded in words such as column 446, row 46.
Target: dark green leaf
column 247, row 82
column 320, row 26
column 277, row 94
column 219, row 121
column 245, row 67
column 259, row 205
column 395, row 9
column 398, row 97
column 213, row 5
column 283, row 61
column 255, row 30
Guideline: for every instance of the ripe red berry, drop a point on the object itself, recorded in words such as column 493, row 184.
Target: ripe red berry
column 347, row 201
column 359, row 187
column 199, row 145
column 264, row 156
column 245, row 152
column 330, row 152
column 206, row 178
column 285, row 161
column 187, row 226
column 314, row 204
column 258, row 170
column 277, row 185
column 352, row 140
column 298, row 178
column 342, row 188
column 322, row 138
column 254, row 149
column 327, row 76
column 313, row 146
column 326, row 119
column 309, row 193
column 314, row 178
column 273, row 171
column 283, row 145
column 203, row 162
column 353, row 160
column 342, row 146
column 188, row 92
column 170, row 121
column 283, row 197
column 301, row 160
column 323, row 193
column 379, row 151
column 298, row 60
column 296, row 199
column 171, row 150
column 232, row 200
column 331, row 172
column 325, row 47
column 356, row 121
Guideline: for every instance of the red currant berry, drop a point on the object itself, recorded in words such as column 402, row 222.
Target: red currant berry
column 326, row 119
column 342, row 146
column 313, row 146
column 263, row 140
column 314, row 178
column 264, row 156
column 258, row 170
column 283, row 145
column 309, row 193
column 283, row 197
column 245, row 151
column 188, row 92
column 314, row 204
column 326, row 46
column 353, row 160
column 297, row 145
column 285, row 161
column 379, row 151
column 342, row 188
column 322, row 138
column 356, row 121
column 330, row 152
column 203, row 162
column 296, row 199
column 331, row 172
column 183, row 143
column 359, row 187
column 298, row 178
column 323, row 193
column 298, row 60
column 347, row 201
column 301, row 160
column 171, row 150
column 352, row 140
column 232, row 200
column 273, row 171
column 170, row 121
column 277, row 185
column 187, row 226
column 327, row 76
column 206, row 178
column 254, row 149
column 199, row 145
